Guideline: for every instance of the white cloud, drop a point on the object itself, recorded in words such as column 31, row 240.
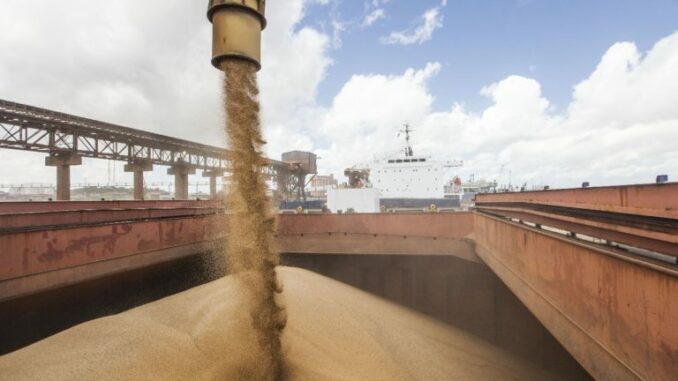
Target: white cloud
column 628, row 87
column 374, row 16
column 376, row 3
column 431, row 20
column 338, row 28
column 367, row 112
column 374, row 11
column 621, row 126
column 295, row 62
column 146, row 65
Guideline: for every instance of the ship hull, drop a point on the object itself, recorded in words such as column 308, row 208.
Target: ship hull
column 419, row 203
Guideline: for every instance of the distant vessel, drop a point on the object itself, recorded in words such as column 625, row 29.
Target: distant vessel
column 467, row 190
column 399, row 181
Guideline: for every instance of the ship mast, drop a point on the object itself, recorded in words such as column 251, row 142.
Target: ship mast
column 408, row 148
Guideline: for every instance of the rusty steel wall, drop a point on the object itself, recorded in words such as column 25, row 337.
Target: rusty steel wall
column 446, row 225
column 656, row 200
column 37, row 259
column 618, row 318
column 384, row 234
column 53, row 244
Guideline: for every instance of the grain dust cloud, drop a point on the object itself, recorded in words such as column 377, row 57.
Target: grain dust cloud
column 251, row 225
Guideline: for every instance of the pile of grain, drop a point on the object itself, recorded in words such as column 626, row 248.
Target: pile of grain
column 334, row 332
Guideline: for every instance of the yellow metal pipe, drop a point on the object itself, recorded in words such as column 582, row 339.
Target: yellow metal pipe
column 236, row 30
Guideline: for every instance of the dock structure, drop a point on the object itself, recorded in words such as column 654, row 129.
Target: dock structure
column 66, row 139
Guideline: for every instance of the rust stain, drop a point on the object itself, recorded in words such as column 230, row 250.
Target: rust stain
column 84, row 245
column 171, row 234
column 24, row 260
column 52, row 254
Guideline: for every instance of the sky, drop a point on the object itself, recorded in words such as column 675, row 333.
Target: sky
column 535, row 91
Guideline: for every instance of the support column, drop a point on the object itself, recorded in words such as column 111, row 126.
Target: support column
column 213, row 174
column 138, row 167
column 181, row 172
column 63, row 162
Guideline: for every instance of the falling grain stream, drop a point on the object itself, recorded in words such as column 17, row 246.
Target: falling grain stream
column 251, row 256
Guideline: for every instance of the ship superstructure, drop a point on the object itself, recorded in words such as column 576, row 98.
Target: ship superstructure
column 406, row 175
column 410, row 177
column 402, row 180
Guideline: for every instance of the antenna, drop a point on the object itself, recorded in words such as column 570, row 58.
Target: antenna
column 408, row 148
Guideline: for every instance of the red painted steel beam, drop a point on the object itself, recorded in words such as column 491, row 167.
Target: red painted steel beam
column 62, row 219
column 377, row 234
column 34, row 260
column 655, row 200
column 374, row 244
column 457, row 225
column 50, row 206
column 665, row 242
column 616, row 314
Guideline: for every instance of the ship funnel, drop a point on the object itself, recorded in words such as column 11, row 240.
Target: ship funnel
column 236, row 30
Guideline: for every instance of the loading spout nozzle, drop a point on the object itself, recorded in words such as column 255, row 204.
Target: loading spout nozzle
column 236, row 30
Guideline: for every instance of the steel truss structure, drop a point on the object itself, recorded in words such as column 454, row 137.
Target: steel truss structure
column 29, row 128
